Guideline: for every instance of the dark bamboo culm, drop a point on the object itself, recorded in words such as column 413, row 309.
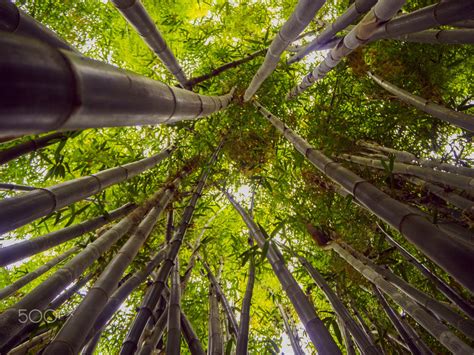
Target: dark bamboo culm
column 16, row 187
column 31, row 145
column 151, row 298
column 290, row 331
column 215, row 342
column 174, row 313
column 456, row 259
column 126, row 99
column 315, row 328
column 25, row 208
column 74, row 332
column 21, row 250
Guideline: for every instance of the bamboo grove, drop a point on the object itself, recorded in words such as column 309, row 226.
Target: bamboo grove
column 236, row 177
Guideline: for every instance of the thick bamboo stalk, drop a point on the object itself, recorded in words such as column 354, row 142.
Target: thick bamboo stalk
column 25, row 208
column 213, row 73
column 455, row 259
column 21, row 250
column 72, row 81
column 151, row 298
column 18, row 284
column 363, row 342
column 216, row 344
column 383, row 11
column 16, row 21
column 304, row 12
column 243, row 337
column 75, row 330
column 40, row 297
column 457, row 118
column 295, row 344
column 348, row 343
column 442, row 286
column 15, row 187
column 194, row 344
column 137, row 16
column 399, row 326
column 315, row 328
column 442, row 13
column 358, row 8
column 24, row 334
column 90, row 347
column 463, row 23
column 456, row 181
column 31, row 145
column 174, row 313
column 27, row 347
column 234, row 328
column 437, row 329
column 157, row 332
column 409, row 158
column 465, row 36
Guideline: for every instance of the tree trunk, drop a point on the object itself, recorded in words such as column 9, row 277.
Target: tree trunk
column 315, row 328
column 155, row 291
column 465, row 36
column 91, row 345
column 21, row 250
column 363, row 342
column 31, row 145
column 72, row 81
column 234, row 328
column 304, row 12
column 442, row 333
column 136, row 15
column 194, row 81
column 216, row 346
column 16, row 21
column 12, row 288
column 243, row 338
column 358, row 8
column 413, row 344
column 444, row 288
column 442, row 13
column 455, row 259
column 457, row 118
column 174, row 313
column 382, row 12
column 295, row 344
column 75, row 330
column 20, row 210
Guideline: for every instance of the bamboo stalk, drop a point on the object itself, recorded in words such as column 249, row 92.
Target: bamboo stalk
column 382, row 11
column 18, row 284
column 195, row 346
column 215, row 343
column 363, row 342
column 16, row 21
column 295, row 344
column 174, row 313
column 25, row 208
column 399, row 326
column 15, row 187
column 465, row 36
column 31, row 145
column 463, row 23
column 457, row 118
column 358, row 8
column 315, row 328
column 72, row 81
column 243, row 337
column 347, row 338
column 234, row 328
column 442, row 286
column 157, row 332
column 40, row 297
column 215, row 72
column 23, row 249
column 456, row 260
column 409, row 158
column 137, row 16
column 304, row 12
column 151, row 298
column 26, row 348
column 442, row 13
column 364, row 326
column 75, row 330
column 437, row 329
column 456, row 181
